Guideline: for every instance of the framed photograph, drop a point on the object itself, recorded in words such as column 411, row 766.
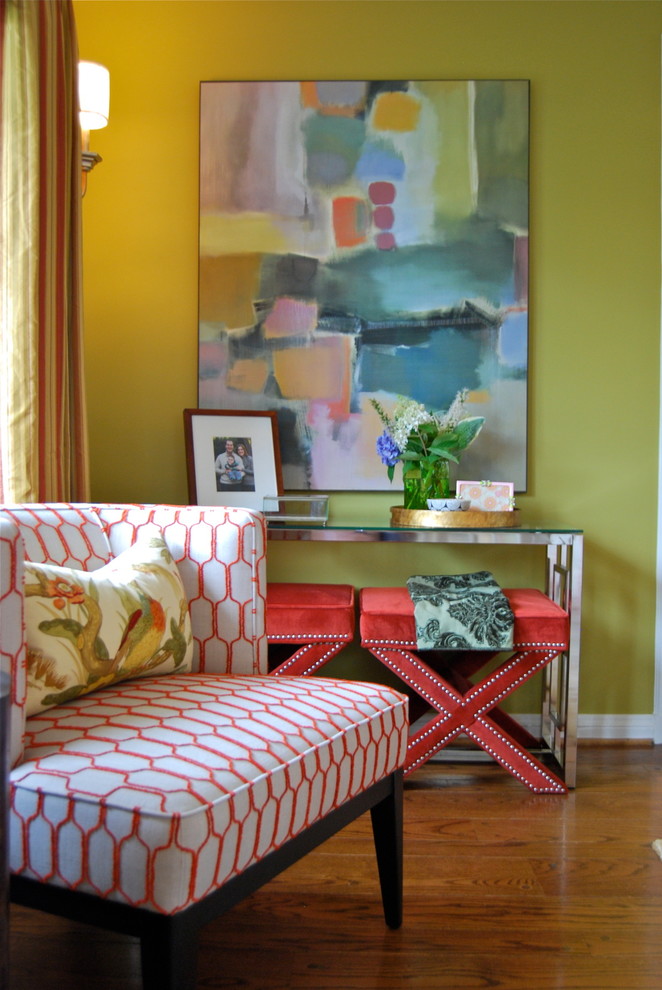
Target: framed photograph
column 232, row 457
column 363, row 240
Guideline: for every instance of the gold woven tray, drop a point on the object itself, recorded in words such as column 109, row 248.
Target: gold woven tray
column 471, row 519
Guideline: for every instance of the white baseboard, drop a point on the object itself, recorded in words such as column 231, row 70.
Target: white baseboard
column 624, row 727
column 616, row 727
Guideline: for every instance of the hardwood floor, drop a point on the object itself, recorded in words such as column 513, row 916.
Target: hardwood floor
column 504, row 889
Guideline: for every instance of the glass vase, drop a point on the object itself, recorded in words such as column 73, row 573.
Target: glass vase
column 422, row 483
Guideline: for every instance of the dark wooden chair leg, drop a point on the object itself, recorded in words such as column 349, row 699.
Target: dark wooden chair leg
column 169, row 943
column 387, row 831
column 169, row 954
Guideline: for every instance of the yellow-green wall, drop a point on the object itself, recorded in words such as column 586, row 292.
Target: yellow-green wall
column 595, row 268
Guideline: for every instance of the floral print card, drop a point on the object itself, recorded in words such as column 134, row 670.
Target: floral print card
column 488, row 496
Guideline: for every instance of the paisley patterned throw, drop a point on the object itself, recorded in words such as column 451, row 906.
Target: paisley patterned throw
column 88, row 629
column 461, row 612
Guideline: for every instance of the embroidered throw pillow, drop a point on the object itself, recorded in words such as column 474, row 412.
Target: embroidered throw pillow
column 88, row 629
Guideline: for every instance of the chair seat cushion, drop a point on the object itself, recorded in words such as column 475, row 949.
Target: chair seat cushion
column 387, row 616
column 305, row 613
column 154, row 792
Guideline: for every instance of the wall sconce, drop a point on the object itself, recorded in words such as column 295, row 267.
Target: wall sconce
column 94, row 102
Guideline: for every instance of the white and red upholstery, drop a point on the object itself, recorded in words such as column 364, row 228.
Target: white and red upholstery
column 171, row 797
column 220, row 554
column 223, row 770
column 12, row 636
column 315, row 620
column 442, row 680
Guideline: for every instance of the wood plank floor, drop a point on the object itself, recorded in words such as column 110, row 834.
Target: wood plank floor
column 504, row 889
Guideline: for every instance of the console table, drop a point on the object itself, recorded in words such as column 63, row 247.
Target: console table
column 562, row 583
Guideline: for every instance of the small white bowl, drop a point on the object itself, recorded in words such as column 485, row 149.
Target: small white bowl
column 448, row 504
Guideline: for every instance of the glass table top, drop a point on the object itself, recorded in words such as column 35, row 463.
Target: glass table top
column 532, row 534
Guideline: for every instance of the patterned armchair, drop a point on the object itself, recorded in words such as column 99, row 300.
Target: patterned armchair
column 152, row 804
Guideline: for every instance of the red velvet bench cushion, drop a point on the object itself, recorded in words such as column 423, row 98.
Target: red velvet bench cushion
column 319, row 618
column 387, row 616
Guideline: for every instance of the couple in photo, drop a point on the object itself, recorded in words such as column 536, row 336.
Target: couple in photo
column 234, row 468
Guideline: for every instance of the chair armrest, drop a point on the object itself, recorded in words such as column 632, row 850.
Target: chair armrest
column 13, row 661
column 221, row 555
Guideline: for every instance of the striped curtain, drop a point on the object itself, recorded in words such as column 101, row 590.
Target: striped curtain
column 43, row 430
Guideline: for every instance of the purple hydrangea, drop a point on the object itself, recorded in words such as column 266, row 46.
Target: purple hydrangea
column 387, row 449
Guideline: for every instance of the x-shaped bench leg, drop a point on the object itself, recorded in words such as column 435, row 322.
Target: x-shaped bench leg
column 458, row 673
column 309, row 658
column 469, row 712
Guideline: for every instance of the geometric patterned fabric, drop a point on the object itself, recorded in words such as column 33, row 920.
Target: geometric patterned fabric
column 154, row 792
column 157, row 791
column 12, row 639
column 220, row 554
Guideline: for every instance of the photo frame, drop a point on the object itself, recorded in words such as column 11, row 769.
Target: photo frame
column 362, row 240
column 232, row 457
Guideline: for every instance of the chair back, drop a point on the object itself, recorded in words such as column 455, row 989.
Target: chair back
column 220, row 553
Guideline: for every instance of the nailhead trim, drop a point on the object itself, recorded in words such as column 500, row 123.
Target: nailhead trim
column 554, row 786
column 286, row 664
column 524, row 676
column 437, row 744
column 402, row 673
column 549, row 651
column 411, row 645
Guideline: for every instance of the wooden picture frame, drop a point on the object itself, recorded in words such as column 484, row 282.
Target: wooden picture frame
column 232, row 457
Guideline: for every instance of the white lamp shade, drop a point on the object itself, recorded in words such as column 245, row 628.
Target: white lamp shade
column 93, row 95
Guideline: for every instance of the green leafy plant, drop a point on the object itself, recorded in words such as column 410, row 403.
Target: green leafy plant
column 420, row 438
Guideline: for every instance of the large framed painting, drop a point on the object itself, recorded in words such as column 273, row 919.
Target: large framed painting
column 366, row 240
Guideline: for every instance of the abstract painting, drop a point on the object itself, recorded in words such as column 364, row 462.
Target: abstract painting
column 365, row 240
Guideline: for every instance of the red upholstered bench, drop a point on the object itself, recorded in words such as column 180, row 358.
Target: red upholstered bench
column 443, row 680
column 318, row 620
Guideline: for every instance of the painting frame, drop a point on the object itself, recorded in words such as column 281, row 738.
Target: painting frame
column 322, row 290
column 218, row 473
